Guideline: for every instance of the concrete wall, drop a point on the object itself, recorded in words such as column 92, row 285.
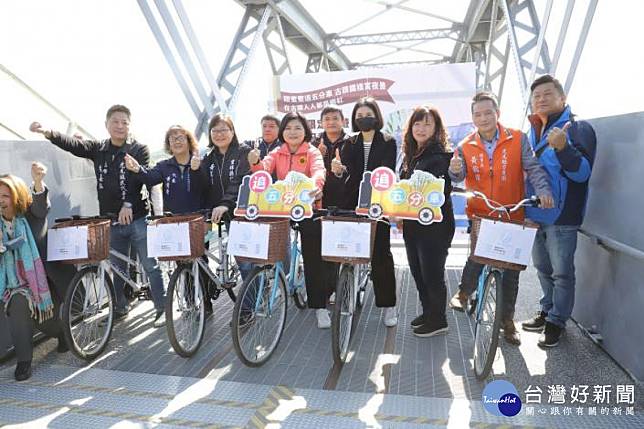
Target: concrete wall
column 610, row 284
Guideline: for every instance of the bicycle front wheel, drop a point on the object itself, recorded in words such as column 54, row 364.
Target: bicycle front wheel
column 488, row 325
column 364, row 273
column 88, row 313
column 342, row 317
column 259, row 316
column 185, row 312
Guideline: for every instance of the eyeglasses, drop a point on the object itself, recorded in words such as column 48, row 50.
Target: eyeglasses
column 178, row 139
column 220, row 131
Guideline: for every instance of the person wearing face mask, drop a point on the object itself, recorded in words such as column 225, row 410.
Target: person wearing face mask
column 364, row 152
column 426, row 148
column 297, row 154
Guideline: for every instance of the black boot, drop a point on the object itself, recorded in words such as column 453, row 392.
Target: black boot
column 62, row 344
column 550, row 336
column 23, row 371
column 535, row 324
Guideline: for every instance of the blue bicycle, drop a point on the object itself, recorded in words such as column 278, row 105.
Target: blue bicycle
column 259, row 315
column 487, row 301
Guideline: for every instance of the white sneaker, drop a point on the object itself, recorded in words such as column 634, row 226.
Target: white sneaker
column 324, row 320
column 332, row 298
column 390, row 316
column 159, row 321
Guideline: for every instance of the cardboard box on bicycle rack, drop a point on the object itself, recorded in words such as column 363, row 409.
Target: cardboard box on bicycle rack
column 81, row 241
column 502, row 244
column 347, row 240
column 261, row 241
column 176, row 238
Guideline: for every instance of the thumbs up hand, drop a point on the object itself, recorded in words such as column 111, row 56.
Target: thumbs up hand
column 132, row 164
column 254, row 155
column 322, row 148
column 557, row 137
column 195, row 162
column 456, row 164
column 336, row 165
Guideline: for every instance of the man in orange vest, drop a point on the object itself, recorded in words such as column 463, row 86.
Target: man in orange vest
column 493, row 160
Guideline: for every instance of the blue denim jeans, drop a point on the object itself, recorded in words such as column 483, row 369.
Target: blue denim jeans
column 553, row 255
column 135, row 235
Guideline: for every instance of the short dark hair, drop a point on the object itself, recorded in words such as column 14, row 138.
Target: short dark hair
column 369, row 102
column 297, row 116
column 270, row 117
column 546, row 78
column 331, row 108
column 485, row 96
column 117, row 108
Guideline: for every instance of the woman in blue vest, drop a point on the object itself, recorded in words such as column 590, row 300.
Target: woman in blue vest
column 183, row 185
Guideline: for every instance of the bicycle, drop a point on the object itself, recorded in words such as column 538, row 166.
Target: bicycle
column 88, row 306
column 193, row 286
column 352, row 279
column 259, row 315
column 487, row 299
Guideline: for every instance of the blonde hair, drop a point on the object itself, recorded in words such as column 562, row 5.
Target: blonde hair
column 20, row 194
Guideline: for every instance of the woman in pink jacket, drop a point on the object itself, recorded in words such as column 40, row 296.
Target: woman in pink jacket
column 297, row 154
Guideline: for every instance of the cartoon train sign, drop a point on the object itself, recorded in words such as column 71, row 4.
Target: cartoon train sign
column 291, row 197
column 418, row 198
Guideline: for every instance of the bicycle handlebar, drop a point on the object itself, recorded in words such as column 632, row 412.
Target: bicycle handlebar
column 532, row 201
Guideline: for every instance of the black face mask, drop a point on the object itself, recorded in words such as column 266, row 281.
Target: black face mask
column 368, row 123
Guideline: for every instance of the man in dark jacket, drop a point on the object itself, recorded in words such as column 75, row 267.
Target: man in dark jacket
column 566, row 150
column 118, row 193
column 330, row 143
column 269, row 140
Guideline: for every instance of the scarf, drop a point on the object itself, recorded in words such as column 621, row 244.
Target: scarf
column 22, row 272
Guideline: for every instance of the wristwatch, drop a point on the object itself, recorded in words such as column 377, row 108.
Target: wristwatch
column 127, row 205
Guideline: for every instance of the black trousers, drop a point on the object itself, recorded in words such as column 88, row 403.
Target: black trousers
column 469, row 282
column 21, row 324
column 427, row 247
column 383, row 274
column 320, row 276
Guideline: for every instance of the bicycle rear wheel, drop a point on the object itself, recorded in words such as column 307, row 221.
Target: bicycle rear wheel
column 259, row 316
column 299, row 288
column 88, row 313
column 342, row 317
column 488, row 325
column 185, row 312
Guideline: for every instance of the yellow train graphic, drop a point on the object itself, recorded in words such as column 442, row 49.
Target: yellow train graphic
column 259, row 196
column 418, row 198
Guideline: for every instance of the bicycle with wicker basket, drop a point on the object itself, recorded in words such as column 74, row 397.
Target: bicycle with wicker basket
column 487, row 301
column 347, row 239
column 88, row 305
column 194, row 285
column 259, row 315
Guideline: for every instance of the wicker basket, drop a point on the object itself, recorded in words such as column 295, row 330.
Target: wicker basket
column 474, row 234
column 347, row 260
column 196, row 230
column 98, row 239
column 278, row 240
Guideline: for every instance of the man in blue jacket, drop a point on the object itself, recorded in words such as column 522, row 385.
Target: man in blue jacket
column 566, row 150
